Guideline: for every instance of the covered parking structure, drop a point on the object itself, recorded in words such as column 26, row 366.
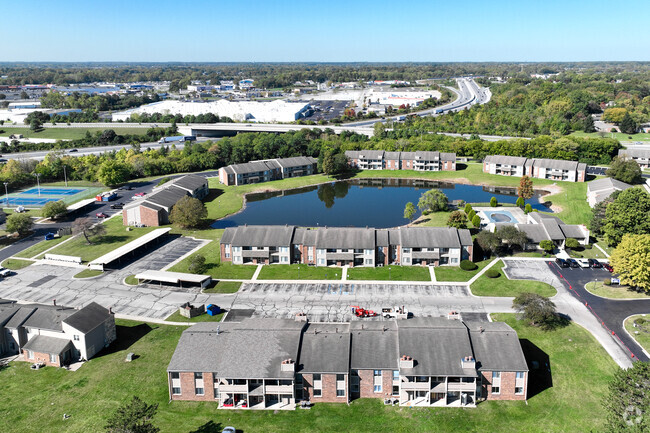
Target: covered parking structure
column 119, row 253
column 175, row 278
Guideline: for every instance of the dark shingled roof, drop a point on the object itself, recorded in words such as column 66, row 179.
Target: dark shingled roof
column 374, row 345
column 429, row 237
column 48, row 318
column 167, row 197
column 190, row 181
column 258, row 236
column 21, row 315
column 88, row 318
column 506, row 160
column 296, row 161
column 496, row 347
column 49, row 345
column 346, row 237
column 325, row 348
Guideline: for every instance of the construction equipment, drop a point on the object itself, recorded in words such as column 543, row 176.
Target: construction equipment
column 362, row 312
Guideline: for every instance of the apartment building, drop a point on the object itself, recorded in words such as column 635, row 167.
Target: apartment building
column 640, row 156
column 600, row 189
column 541, row 227
column 267, row 170
column 346, row 246
column 419, row 160
column 540, row 168
column 277, row 363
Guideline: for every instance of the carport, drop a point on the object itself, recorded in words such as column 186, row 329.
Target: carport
column 176, row 278
column 118, row 253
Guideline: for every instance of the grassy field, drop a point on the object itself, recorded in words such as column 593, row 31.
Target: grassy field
column 394, row 273
column 434, row 219
column 176, row 317
column 455, row 273
column 299, row 272
column 617, row 135
column 116, row 236
column 91, row 394
column 224, row 287
column 88, row 273
column 37, row 249
column 640, row 332
column 67, row 133
column 502, row 286
column 587, row 253
column 614, row 291
column 15, row 264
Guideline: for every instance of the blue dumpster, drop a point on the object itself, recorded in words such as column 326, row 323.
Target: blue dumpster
column 213, row 310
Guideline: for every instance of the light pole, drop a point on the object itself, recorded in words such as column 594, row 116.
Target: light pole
column 65, row 176
column 38, row 182
column 7, row 193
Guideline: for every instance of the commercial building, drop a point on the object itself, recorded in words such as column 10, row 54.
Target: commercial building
column 598, row 190
column 267, row 170
column 154, row 210
column 346, row 246
column 540, row 168
column 53, row 335
column 640, row 156
column 399, row 97
column 277, row 363
column 419, row 161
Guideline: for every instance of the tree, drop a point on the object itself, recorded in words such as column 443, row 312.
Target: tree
column 525, row 189
column 468, row 207
column 588, row 124
column 457, row 219
column 19, row 223
column 133, row 417
column 188, row 212
column 597, row 221
column 631, row 261
column 334, row 163
column 572, row 243
column 537, row 310
column 88, row 228
column 476, row 221
column 512, row 236
column 520, row 202
column 54, row 209
column 409, row 211
column 627, row 404
column 494, row 202
column 471, row 214
column 35, row 125
column 614, row 114
column 625, row 170
column 528, row 209
column 197, row 263
column 113, row 173
column 488, row 241
column 628, row 213
column 628, row 125
column 547, row 245
column 433, row 200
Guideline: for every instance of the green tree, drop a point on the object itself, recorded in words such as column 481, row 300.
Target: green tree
column 625, row 170
column 457, row 219
column 628, row 213
column 537, row 310
column 19, row 223
column 528, row 209
column 188, row 212
column 133, row 417
column 334, row 163
column 614, row 114
column 197, row 263
column 471, row 214
column 488, row 241
column 54, row 209
column 525, row 189
column 520, row 202
column 588, row 124
column 476, row 221
column 512, row 236
column 571, row 243
column 468, row 207
column 631, row 261
column 433, row 200
column 494, row 202
column 88, row 228
column 35, row 125
column 627, row 404
column 113, row 173
column 547, row 245
column 628, row 125
column 409, row 211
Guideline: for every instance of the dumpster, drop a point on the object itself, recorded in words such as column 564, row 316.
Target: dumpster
column 213, row 310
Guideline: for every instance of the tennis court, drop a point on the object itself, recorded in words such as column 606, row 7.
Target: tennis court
column 53, row 191
column 38, row 197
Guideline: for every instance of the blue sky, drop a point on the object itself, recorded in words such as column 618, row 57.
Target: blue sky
column 325, row 31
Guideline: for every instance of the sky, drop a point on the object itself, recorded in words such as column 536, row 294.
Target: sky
column 323, row 31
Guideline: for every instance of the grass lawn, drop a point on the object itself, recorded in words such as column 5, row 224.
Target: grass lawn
column 601, row 243
column 614, row 291
column 300, row 272
column 224, row 287
column 37, row 249
column 592, row 253
column 640, row 332
column 132, row 280
column 617, row 135
column 455, row 273
column 531, row 254
column 434, row 219
column 116, row 236
column 68, row 133
column 87, row 273
column 91, row 394
column 15, row 264
column 395, row 273
column 502, row 286
column 205, row 317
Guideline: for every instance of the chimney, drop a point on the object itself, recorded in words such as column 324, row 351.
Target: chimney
column 406, row 362
column 468, row 362
column 54, row 302
column 110, row 310
column 288, row 365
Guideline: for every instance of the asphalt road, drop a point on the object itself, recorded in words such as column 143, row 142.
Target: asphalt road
column 610, row 312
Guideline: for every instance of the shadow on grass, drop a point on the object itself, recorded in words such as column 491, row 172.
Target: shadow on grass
column 126, row 337
column 209, row 427
column 539, row 366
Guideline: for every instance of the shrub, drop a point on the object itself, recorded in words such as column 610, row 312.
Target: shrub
column 476, row 221
column 468, row 265
column 164, row 180
column 520, row 202
column 468, row 207
column 607, row 282
column 197, row 263
column 528, row 208
column 492, row 273
column 471, row 214
column 571, row 243
column 639, row 321
column 494, row 202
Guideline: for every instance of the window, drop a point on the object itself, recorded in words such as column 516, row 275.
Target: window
column 321, row 261
column 496, row 390
column 454, row 260
column 284, row 259
column 377, row 388
column 30, row 354
column 317, row 392
column 395, row 374
column 496, row 375
column 53, row 359
column 519, row 390
column 176, row 390
column 520, row 375
column 317, row 377
column 376, row 373
column 395, row 390
column 176, row 375
column 198, row 375
column 340, row 393
column 75, row 337
column 198, row 391
column 340, row 377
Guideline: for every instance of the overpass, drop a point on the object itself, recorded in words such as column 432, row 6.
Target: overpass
column 229, row 129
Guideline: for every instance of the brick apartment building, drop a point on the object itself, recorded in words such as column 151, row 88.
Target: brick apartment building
column 267, row 170
column 419, row 161
column 540, row 168
column 349, row 246
column 277, row 363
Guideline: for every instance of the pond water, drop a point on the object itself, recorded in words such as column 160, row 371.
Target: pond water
column 375, row 203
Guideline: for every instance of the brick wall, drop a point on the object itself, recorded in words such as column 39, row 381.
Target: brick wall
column 188, row 388
column 43, row 358
column 328, row 390
column 223, row 253
column 486, row 167
column 507, row 387
column 367, row 384
column 149, row 217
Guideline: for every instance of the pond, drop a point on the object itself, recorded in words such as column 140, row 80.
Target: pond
column 375, row 203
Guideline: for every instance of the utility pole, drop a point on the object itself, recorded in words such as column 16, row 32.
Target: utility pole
column 65, row 176
column 38, row 182
column 7, row 193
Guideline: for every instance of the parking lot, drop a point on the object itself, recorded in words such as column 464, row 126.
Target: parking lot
column 327, row 110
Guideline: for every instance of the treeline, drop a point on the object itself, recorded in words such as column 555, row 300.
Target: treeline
column 97, row 102
column 178, row 118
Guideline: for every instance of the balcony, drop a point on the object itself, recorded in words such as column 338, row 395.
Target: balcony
column 461, row 386
column 278, row 389
column 415, row 386
column 234, row 388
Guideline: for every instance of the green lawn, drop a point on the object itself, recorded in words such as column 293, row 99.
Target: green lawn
column 455, row 273
column 614, row 291
column 617, row 135
column 394, row 273
column 434, row 219
column 640, row 332
column 587, row 253
column 502, row 286
column 15, row 264
column 131, row 280
column 116, row 236
column 205, row 317
column 91, row 394
column 37, row 249
column 224, row 287
column 88, row 273
column 68, row 133
column 299, row 272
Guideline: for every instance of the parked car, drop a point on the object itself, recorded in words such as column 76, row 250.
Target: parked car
column 615, row 281
column 608, row 267
column 20, row 209
column 140, row 194
column 573, row 263
column 73, row 150
column 561, row 263
column 101, row 215
column 593, row 263
column 584, row 263
column 125, row 188
column 117, row 205
column 49, row 236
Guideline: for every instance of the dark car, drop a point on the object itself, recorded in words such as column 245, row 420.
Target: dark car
column 573, row 263
column 561, row 263
column 117, row 205
column 593, row 263
column 101, row 215
column 608, row 267
column 73, row 150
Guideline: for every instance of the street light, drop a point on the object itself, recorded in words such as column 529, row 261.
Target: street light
column 38, row 181
column 7, row 193
column 65, row 176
